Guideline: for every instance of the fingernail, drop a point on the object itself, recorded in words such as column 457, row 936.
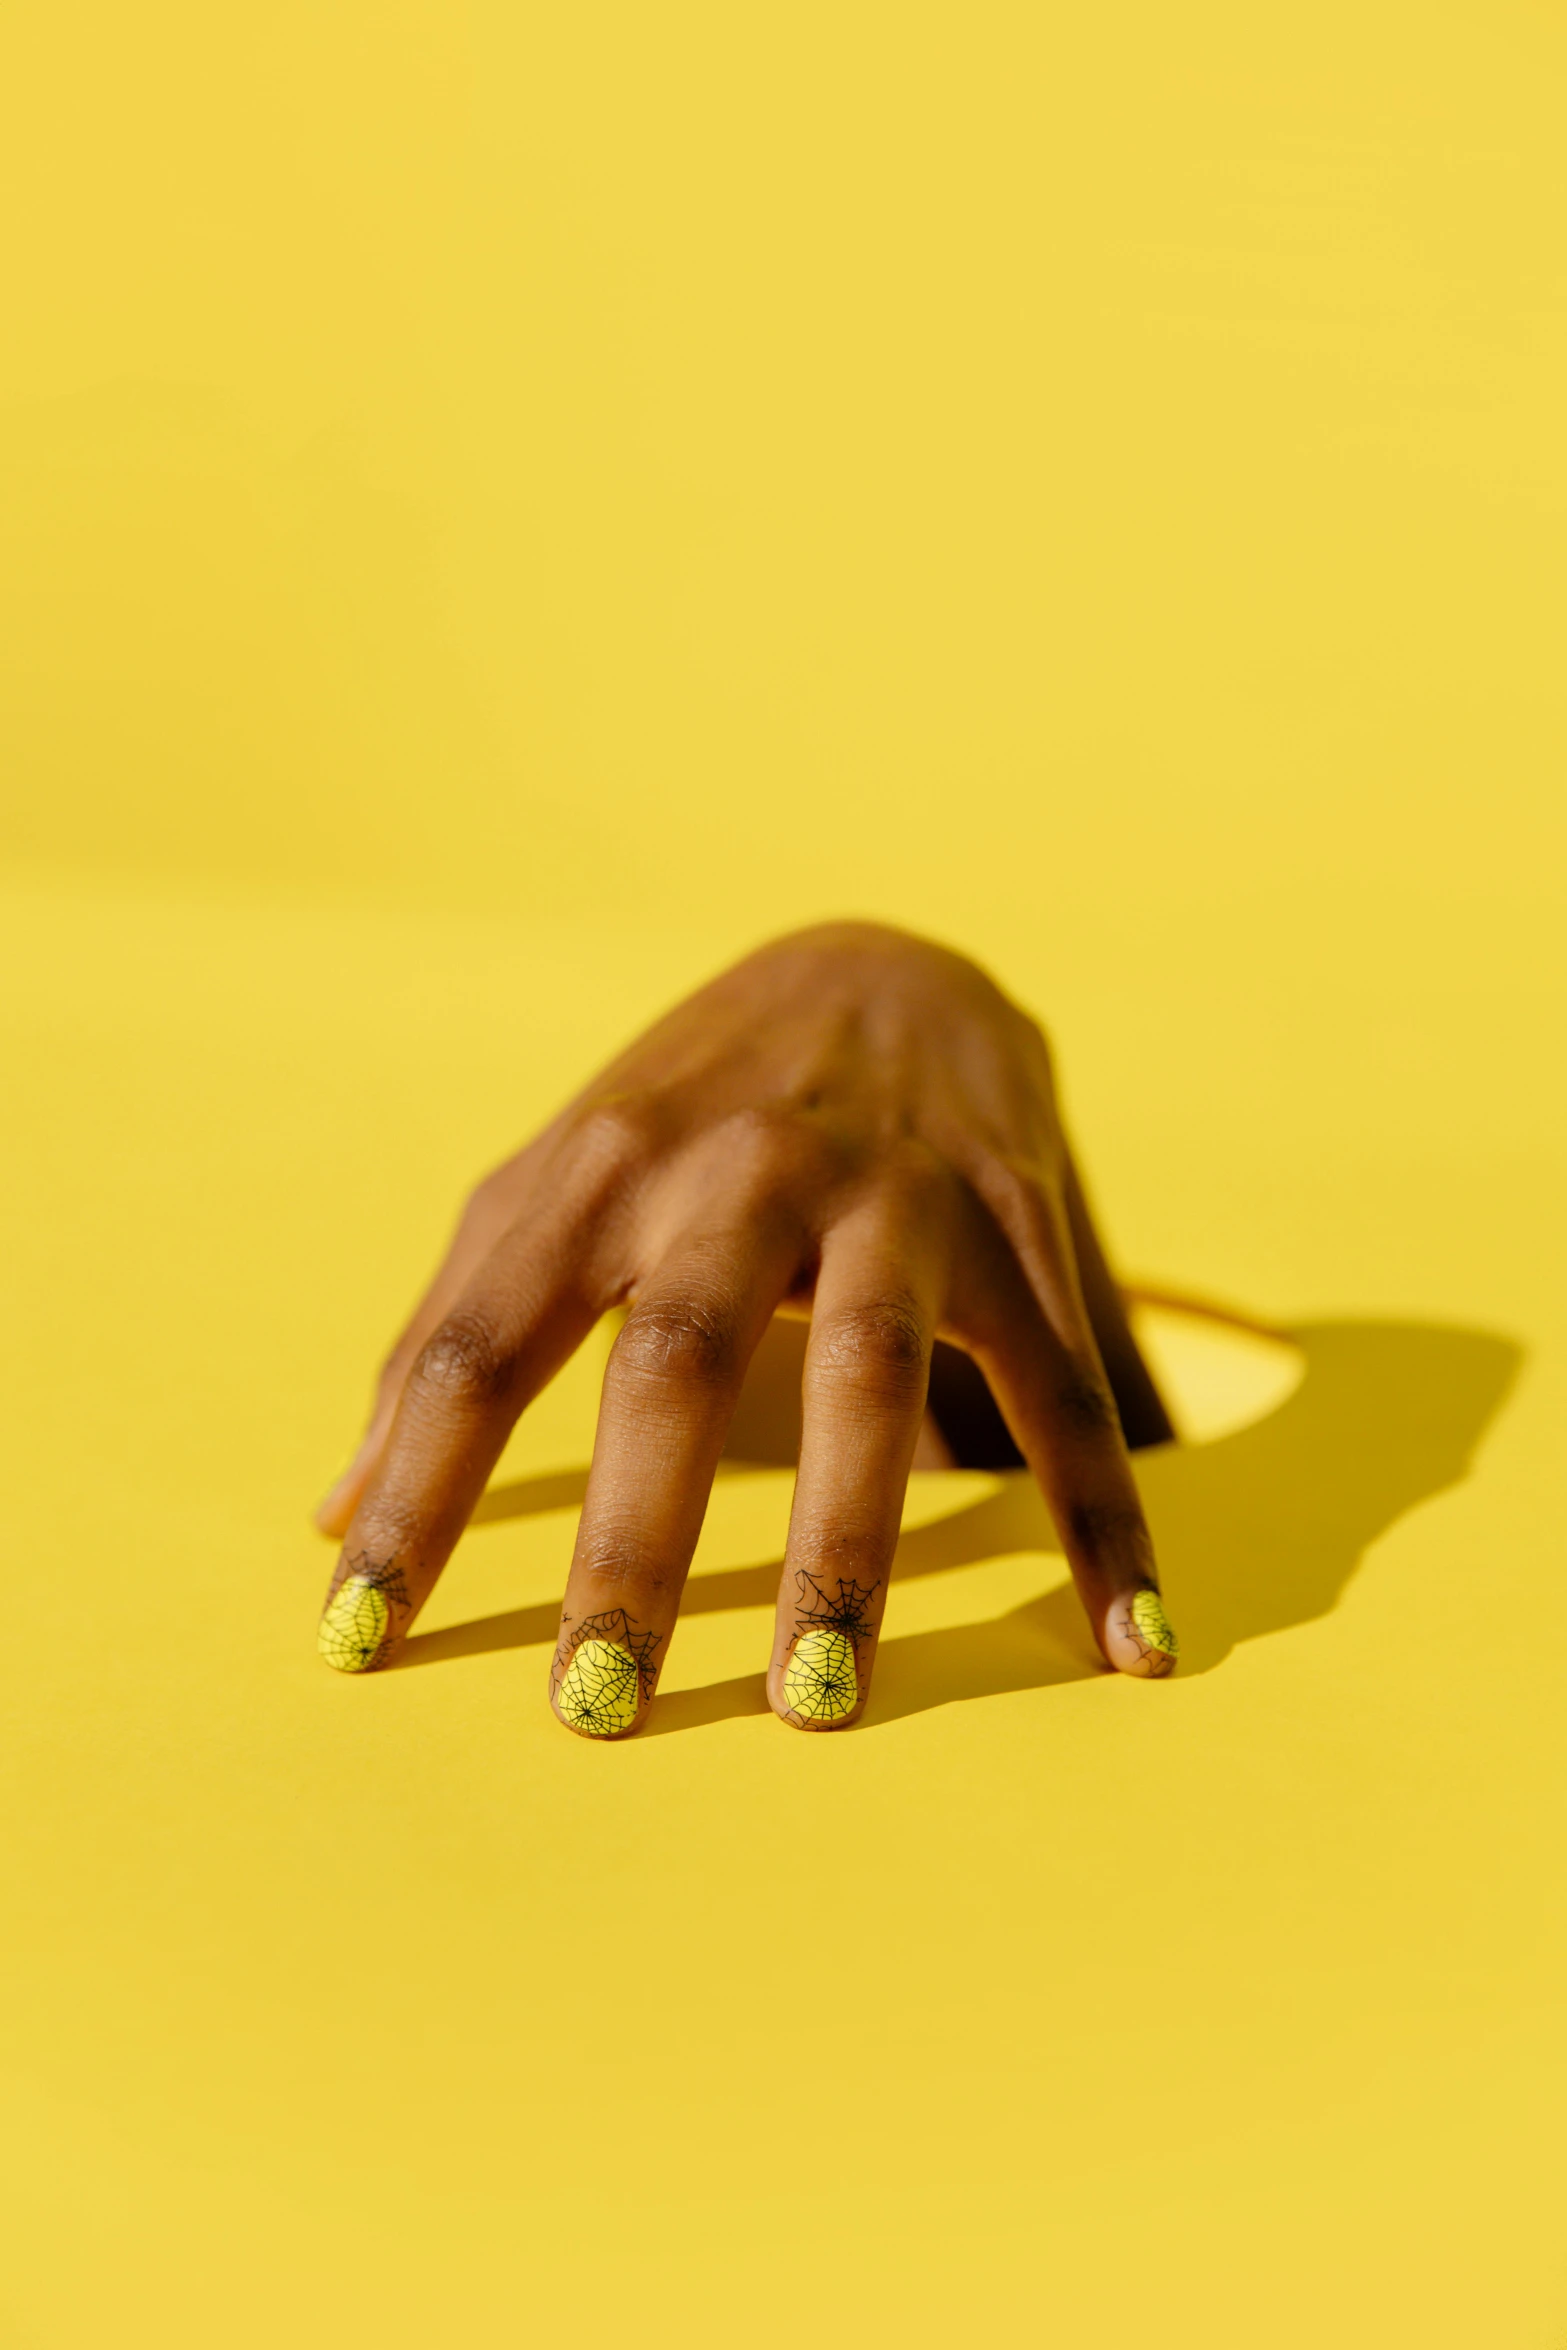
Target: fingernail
column 820, row 1683
column 354, row 1625
column 600, row 1690
column 1151, row 1625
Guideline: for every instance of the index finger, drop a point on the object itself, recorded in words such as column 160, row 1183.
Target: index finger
column 529, row 1307
column 480, row 1226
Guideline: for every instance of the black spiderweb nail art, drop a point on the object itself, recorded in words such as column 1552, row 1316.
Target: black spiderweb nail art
column 821, row 1679
column 358, row 1616
column 604, row 1672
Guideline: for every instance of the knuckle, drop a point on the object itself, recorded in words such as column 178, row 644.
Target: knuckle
column 840, row 1553
column 770, row 1144
column 678, row 1339
column 766, row 1128
column 620, row 1130
column 621, row 1562
column 466, row 1360
column 881, row 1342
column 919, row 1183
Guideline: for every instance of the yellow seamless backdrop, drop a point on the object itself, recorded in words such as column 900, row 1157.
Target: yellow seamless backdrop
column 502, row 510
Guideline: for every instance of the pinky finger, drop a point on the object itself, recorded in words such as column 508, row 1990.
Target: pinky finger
column 1062, row 1415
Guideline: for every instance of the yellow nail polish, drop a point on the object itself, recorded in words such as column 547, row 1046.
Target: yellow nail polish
column 820, row 1683
column 1153, row 1625
column 600, row 1690
column 354, row 1625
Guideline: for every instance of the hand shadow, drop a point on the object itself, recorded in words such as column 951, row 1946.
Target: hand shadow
column 1256, row 1532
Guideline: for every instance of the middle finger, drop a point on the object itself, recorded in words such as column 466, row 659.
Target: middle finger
column 670, row 1390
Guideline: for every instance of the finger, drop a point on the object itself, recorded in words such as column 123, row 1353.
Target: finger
column 1057, row 1402
column 867, row 1368
column 524, row 1312
column 483, row 1220
column 583, row 1157
column 1144, row 1418
column 670, row 1389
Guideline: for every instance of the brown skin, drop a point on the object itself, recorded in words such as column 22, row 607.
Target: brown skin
column 852, row 1124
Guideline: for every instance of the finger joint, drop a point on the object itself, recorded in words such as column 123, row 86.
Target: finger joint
column 684, row 1341
column 467, row 1362
column 882, row 1344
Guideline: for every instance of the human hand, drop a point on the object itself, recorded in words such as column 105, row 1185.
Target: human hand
column 853, row 1124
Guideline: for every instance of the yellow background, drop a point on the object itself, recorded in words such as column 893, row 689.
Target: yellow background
column 504, row 507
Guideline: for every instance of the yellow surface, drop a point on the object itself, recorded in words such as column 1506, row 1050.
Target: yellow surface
column 502, row 508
